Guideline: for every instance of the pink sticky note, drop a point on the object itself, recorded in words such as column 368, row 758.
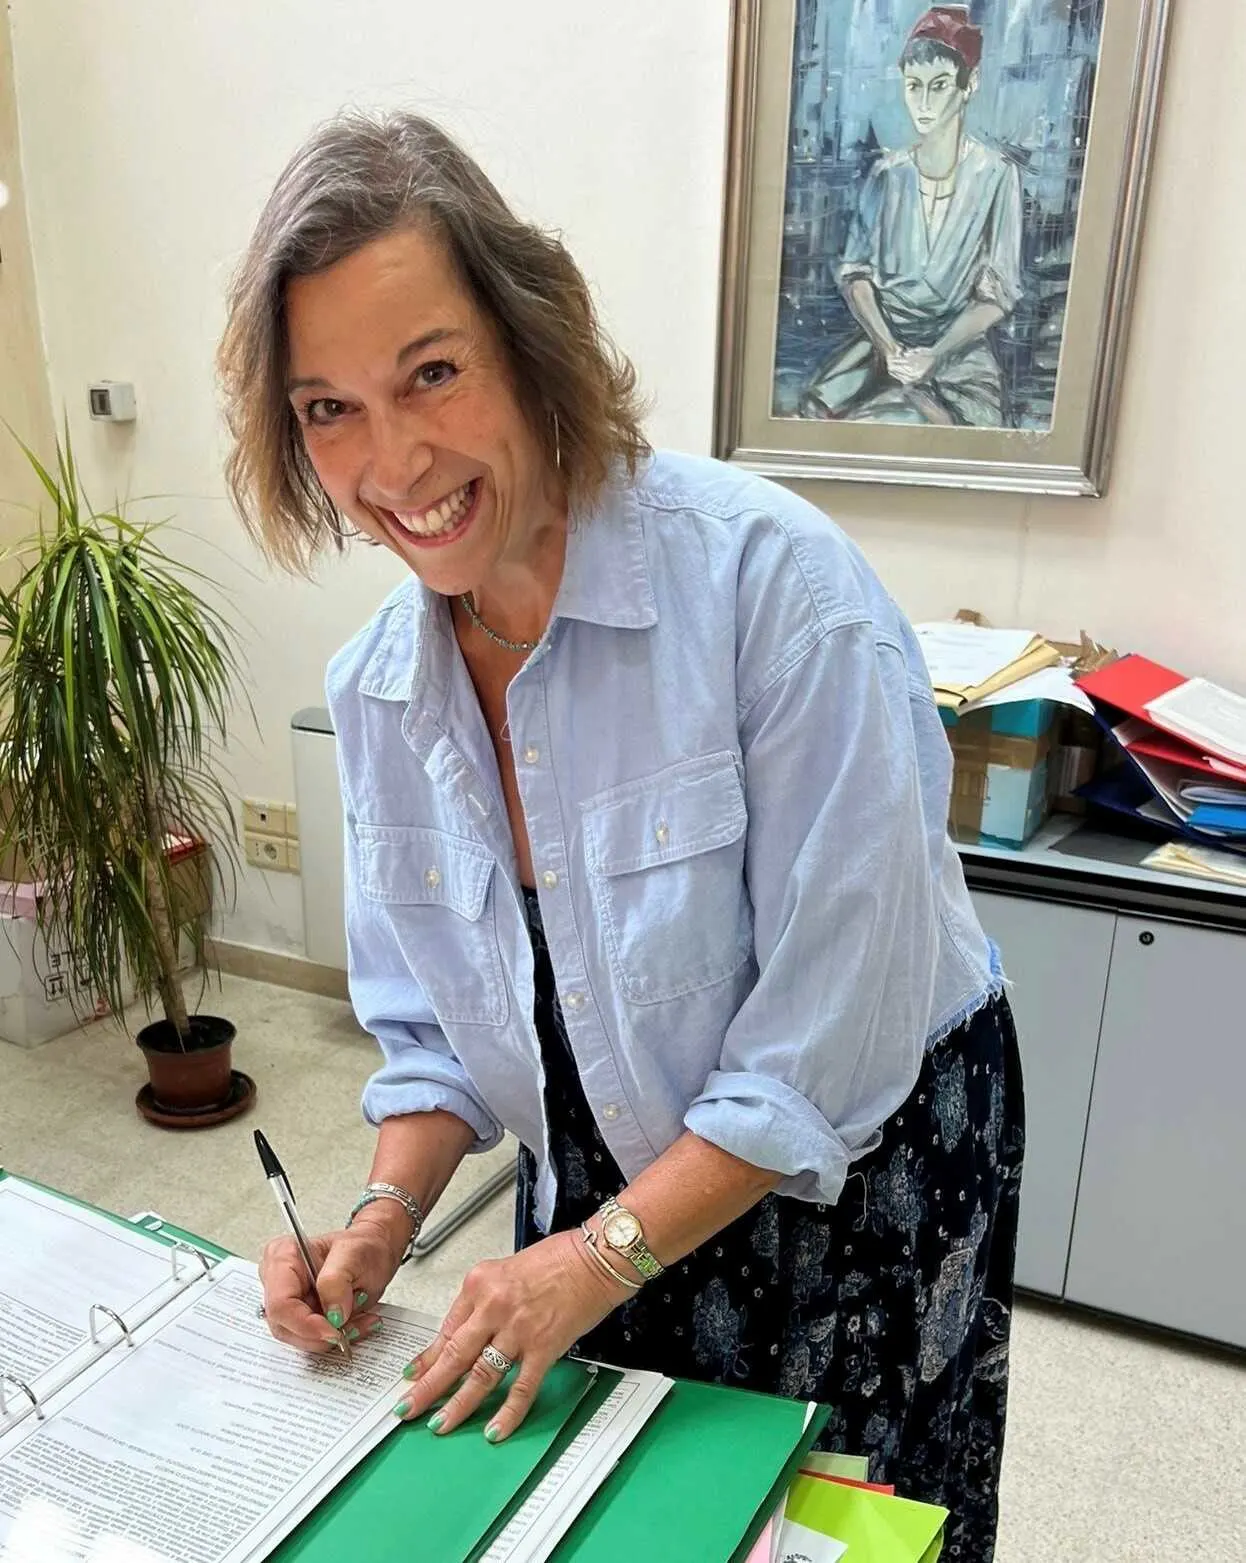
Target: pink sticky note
column 761, row 1547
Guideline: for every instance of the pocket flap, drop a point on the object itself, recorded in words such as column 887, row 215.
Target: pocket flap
column 411, row 866
column 688, row 808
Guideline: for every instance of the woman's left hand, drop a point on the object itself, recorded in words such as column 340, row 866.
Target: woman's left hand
column 531, row 1307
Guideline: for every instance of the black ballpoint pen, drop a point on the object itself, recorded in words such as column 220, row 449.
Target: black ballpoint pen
column 284, row 1195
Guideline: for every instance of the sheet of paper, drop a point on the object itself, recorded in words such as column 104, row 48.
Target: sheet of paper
column 58, row 1261
column 564, row 1491
column 206, row 1442
column 1226, row 796
column 1198, row 862
column 799, row 1544
column 1206, row 714
column 961, row 656
column 1047, row 684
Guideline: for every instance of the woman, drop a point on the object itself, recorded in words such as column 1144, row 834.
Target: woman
column 645, row 798
column 933, row 260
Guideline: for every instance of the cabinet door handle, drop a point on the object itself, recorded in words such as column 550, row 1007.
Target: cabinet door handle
column 1147, row 938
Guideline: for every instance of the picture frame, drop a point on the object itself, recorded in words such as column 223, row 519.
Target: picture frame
column 932, row 226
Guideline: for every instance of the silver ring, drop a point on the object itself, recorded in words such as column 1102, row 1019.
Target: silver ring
column 497, row 1359
column 259, row 1312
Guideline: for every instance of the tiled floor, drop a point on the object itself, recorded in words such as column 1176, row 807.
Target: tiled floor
column 1121, row 1448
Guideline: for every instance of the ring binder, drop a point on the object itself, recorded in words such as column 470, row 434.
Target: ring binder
column 9, row 1378
column 115, row 1317
column 195, row 1253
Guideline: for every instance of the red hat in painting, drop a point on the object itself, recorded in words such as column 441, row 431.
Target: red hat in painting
column 950, row 26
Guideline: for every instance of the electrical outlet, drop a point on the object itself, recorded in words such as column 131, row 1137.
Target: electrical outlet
column 269, row 819
column 267, row 851
column 293, row 861
column 292, row 822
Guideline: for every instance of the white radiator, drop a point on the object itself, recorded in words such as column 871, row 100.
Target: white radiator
column 320, row 837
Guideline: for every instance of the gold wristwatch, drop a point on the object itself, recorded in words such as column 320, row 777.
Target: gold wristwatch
column 623, row 1232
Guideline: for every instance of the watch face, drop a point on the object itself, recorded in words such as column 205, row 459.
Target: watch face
column 621, row 1228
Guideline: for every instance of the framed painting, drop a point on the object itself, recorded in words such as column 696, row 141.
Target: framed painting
column 933, row 219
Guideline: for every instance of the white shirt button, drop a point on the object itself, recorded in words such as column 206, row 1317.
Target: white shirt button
column 531, row 755
column 432, row 878
column 550, row 879
column 573, row 1001
column 610, row 1111
column 662, row 832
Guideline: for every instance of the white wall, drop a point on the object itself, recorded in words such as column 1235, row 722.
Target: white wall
column 153, row 131
column 23, row 384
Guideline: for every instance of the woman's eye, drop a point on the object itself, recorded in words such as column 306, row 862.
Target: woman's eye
column 439, row 372
column 323, row 410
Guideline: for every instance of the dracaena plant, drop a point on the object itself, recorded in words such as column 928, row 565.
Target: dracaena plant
column 117, row 680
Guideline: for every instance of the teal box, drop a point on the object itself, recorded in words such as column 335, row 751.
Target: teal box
column 1000, row 781
column 1019, row 719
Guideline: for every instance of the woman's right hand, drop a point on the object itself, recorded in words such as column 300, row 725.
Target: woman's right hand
column 354, row 1267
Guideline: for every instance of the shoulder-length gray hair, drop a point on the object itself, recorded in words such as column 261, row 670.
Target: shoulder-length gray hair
column 356, row 179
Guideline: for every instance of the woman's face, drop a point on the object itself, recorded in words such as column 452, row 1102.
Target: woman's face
column 932, row 96
column 408, row 414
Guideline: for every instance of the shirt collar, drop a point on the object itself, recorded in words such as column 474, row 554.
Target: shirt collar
column 605, row 577
column 605, row 580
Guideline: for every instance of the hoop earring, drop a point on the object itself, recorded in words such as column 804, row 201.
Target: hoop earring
column 557, row 444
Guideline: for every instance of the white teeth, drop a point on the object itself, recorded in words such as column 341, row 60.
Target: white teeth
column 429, row 523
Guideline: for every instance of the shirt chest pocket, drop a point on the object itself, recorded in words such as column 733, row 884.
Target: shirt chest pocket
column 665, row 857
column 436, row 889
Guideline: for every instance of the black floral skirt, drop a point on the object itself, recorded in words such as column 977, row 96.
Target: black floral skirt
column 892, row 1306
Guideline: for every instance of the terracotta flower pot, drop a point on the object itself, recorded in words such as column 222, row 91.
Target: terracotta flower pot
column 197, row 1078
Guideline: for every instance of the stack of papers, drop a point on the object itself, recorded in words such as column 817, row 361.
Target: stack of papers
column 828, row 1519
column 1179, row 857
column 969, row 664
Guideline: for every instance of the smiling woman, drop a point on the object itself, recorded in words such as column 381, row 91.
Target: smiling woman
column 646, row 854
column 403, row 182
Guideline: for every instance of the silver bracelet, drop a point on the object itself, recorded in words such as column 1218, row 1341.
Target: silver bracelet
column 409, row 1203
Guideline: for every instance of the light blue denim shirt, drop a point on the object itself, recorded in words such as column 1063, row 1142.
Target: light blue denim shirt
column 735, row 785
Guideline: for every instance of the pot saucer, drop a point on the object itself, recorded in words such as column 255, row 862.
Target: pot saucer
column 241, row 1096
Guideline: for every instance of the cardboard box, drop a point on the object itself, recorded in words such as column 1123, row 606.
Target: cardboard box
column 1000, row 778
column 43, row 993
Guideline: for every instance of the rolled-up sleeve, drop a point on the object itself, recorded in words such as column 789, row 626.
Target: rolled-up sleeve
column 420, row 1073
column 829, row 1042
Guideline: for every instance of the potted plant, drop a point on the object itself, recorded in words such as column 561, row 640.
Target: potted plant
column 116, row 682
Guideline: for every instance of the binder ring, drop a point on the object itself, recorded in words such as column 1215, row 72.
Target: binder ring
column 116, row 1319
column 194, row 1253
column 8, row 1378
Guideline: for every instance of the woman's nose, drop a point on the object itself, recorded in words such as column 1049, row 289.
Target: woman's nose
column 401, row 457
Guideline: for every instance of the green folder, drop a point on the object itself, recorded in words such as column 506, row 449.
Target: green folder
column 874, row 1527
column 700, row 1480
column 433, row 1498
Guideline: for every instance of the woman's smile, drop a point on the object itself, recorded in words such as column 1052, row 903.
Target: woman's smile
column 436, row 525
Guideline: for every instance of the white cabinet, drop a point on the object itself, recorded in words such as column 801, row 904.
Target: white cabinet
column 1057, row 960
column 1160, row 1232
column 1132, row 1030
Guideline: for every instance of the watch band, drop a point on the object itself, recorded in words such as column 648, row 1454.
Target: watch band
column 634, row 1250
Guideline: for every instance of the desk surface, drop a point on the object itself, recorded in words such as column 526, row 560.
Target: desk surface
column 1084, row 865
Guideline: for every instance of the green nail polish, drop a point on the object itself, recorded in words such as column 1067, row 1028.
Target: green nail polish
column 436, row 1421
column 493, row 1432
column 375, row 1326
column 352, row 1334
column 411, row 1370
column 402, row 1408
column 336, row 1318
column 361, row 1299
